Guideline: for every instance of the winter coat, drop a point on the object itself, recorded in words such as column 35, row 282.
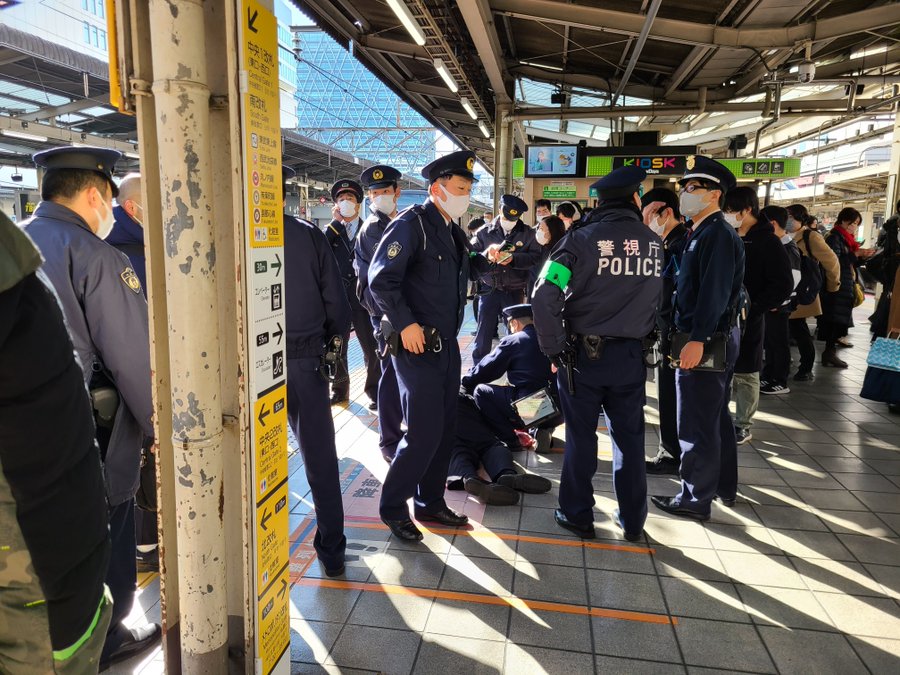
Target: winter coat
column 830, row 266
column 837, row 306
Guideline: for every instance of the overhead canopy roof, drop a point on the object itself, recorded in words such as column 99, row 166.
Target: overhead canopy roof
column 693, row 66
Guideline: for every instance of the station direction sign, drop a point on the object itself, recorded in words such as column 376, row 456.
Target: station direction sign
column 264, row 302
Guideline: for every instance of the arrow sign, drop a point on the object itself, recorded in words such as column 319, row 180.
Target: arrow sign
column 279, row 333
column 251, row 19
column 276, row 265
column 265, row 520
column 283, row 589
column 263, row 414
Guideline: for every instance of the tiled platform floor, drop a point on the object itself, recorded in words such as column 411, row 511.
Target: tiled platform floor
column 801, row 576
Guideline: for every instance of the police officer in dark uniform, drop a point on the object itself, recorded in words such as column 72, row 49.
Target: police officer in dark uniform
column 341, row 235
column 477, row 445
column 418, row 279
column 316, row 311
column 510, row 245
column 519, row 357
column 383, row 192
column 707, row 295
column 107, row 317
column 662, row 216
column 605, row 278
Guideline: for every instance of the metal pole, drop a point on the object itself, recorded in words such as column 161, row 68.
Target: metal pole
column 182, row 96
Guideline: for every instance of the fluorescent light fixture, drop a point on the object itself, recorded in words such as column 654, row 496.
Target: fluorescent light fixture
column 409, row 22
column 484, row 130
column 493, row 145
column 545, row 66
column 23, row 135
column 468, row 108
column 445, row 75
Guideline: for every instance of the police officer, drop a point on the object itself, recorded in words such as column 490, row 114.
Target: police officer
column 477, row 446
column 662, row 216
column 605, row 277
column 384, row 193
column 707, row 294
column 107, row 317
column 316, row 311
column 341, row 235
column 418, row 280
column 510, row 245
column 519, row 357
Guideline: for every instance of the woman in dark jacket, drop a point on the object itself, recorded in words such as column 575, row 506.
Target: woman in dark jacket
column 884, row 268
column 548, row 232
column 837, row 307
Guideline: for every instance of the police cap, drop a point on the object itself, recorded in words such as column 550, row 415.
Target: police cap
column 287, row 173
column 350, row 186
column 474, row 224
column 380, row 176
column 706, row 169
column 518, row 312
column 618, row 183
column 98, row 160
column 512, row 207
column 459, row 163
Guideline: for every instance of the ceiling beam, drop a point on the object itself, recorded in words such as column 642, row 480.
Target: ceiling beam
column 65, row 109
column 480, row 22
column 430, row 90
column 691, row 32
column 637, row 49
column 65, row 136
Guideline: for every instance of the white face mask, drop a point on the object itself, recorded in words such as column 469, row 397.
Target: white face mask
column 731, row 219
column 657, row 227
column 104, row 222
column 786, row 238
column 347, row 208
column 691, row 203
column 541, row 237
column 453, row 205
column 386, row 204
column 791, row 225
column 507, row 225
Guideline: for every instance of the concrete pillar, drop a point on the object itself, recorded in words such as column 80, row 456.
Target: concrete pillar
column 503, row 151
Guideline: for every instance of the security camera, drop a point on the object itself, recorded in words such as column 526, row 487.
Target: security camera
column 16, row 178
column 806, row 71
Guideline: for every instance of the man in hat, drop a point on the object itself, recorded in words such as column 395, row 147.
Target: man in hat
column 316, row 312
column 707, row 298
column 605, row 278
column 418, row 280
column 511, row 247
column 106, row 313
column 519, row 358
column 381, row 183
column 341, row 234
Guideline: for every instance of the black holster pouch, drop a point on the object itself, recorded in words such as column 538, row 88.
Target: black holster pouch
column 432, row 339
column 650, row 349
column 593, row 346
column 330, row 360
column 391, row 339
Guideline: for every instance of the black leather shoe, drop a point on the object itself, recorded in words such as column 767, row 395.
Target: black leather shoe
column 134, row 642
column 373, row 405
column 804, row 376
column 491, row 493
column 629, row 536
column 336, row 572
column 726, row 501
column 543, row 440
column 446, row 516
column 663, row 466
column 404, row 529
column 526, row 482
column 583, row 531
column 673, row 505
column 339, row 397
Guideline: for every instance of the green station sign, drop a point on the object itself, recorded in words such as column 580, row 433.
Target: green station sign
column 560, row 191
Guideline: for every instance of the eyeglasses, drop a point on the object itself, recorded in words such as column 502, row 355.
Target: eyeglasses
column 694, row 187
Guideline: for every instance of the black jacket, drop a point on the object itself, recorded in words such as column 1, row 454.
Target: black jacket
column 673, row 247
column 767, row 268
column 837, row 307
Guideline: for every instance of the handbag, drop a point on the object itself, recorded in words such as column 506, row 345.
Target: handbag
column 859, row 294
column 536, row 408
column 885, row 354
column 714, row 352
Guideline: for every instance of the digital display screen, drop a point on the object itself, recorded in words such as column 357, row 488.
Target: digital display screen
column 552, row 160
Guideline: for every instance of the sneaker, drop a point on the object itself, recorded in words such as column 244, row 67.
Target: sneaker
column 774, row 389
column 742, row 435
column 804, row 376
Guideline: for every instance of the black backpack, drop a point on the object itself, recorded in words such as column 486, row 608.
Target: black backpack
column 810, row 275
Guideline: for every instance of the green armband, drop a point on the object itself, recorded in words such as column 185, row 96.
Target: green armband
column 556, row 273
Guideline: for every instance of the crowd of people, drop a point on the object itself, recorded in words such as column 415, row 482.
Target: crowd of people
column 703, row 286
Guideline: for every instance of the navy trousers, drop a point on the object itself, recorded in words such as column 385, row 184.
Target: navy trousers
column 613, row 384
column 465, row 460
column 494, row 402
column 429, row 385
column 390, row 415
column 121, row 575
column 668, row 405
column 309, row 414
column 360, row 322
column 706, row 433
column 490, row 307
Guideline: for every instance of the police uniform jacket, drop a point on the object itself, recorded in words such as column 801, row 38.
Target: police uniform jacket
column 519, row 357
column 616, row 267
column 128, row 237
column 673, row 247
column 343, row 248
column 367, row 240
column 526, row 253
column 107, row 316
column 709, row 280
column 421, row 269
column 316, row 306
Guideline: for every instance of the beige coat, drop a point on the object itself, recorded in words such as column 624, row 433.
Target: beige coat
column 830, row 266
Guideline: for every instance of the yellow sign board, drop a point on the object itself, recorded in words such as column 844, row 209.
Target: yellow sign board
column 262, row 125
column 270, row 425
column 274, row 624
column 271, row 537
